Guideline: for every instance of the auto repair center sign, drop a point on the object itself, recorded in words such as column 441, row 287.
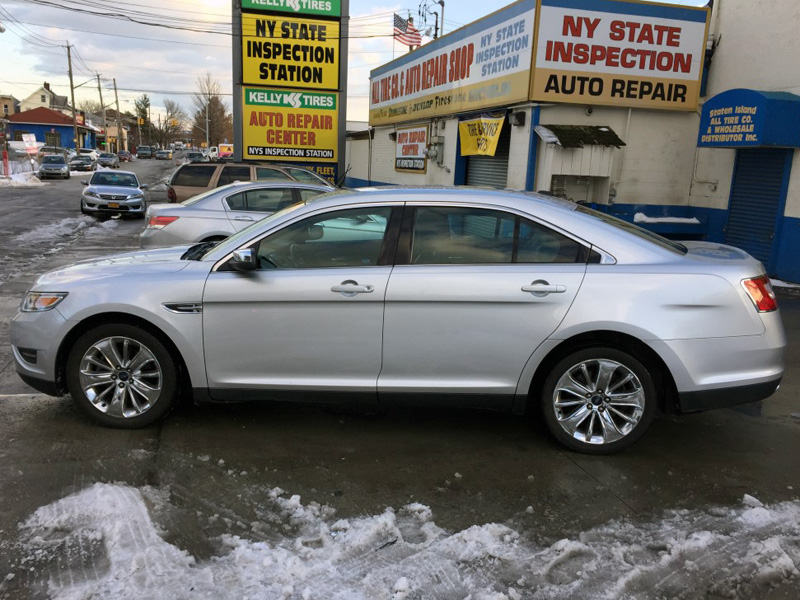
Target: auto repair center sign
column 291, row 126
column 615, row 52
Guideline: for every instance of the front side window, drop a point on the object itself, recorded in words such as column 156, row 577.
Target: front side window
column 267, row 174
column 454, row 235
column 345, row 238
column 231, row 174
column 194, row 175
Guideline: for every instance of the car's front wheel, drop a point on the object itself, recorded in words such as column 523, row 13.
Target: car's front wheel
column 598, row 400
column 121, row 376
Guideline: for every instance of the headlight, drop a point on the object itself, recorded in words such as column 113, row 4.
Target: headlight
column 138, row 196
column 41, row 301
column 90, row 193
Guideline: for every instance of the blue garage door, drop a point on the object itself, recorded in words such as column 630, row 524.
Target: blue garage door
column 757, row 199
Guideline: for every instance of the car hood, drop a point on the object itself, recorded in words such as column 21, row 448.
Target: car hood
column 117, row 190
column 151, row 262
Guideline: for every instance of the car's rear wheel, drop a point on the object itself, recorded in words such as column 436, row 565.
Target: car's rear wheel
column 121, row 376
column 599, row 400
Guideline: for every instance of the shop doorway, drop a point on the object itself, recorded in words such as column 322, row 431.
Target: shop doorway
column 491, row 170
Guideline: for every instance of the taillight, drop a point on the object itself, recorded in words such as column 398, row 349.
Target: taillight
column 157, row 222
column 171, row 195
column 760, row 291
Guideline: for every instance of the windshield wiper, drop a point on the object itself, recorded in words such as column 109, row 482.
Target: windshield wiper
column 197, row 251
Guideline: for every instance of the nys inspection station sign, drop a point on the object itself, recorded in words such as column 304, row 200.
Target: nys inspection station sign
column 290, row 126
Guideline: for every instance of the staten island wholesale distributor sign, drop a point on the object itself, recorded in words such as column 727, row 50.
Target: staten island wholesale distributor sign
column 324, row 8
column 290, row 126
column 484, row 64
column 615, row 52
column 290, row 52
column 410, row 149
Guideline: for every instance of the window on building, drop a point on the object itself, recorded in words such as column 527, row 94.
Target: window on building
column 44, row 98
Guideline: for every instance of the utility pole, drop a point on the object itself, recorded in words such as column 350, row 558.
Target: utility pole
column 207, row 128
column 441, row 3
column 72, row 92
column 103, row 106
column 119, row 121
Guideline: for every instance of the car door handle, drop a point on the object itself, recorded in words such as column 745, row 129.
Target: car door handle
column 543, row 288
column 242, row 218
column 351, row 288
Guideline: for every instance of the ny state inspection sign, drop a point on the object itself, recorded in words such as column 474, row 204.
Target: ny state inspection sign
column 290, row 126
column 290, row 52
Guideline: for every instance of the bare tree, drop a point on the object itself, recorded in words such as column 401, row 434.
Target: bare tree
column 211, row 113
column 169, row 127
column 90, row 107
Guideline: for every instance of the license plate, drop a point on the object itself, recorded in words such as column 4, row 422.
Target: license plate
column 113, row 205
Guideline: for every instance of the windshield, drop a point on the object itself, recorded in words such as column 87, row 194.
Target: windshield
column 117, row 179
column 82, row 159
column 634, row 229
column 106, row 155
column 47, row 160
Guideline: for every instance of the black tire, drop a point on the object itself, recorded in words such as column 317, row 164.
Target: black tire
column 128, row 408
column 602, row 424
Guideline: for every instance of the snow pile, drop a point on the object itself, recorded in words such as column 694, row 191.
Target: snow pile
column 103, row 543
column 18, row 180
column 102, row 228
column 59, row 229
column 643, row 218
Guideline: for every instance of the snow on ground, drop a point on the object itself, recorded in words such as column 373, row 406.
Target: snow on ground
column 60, row 229
column 21, row 180
column 784, row 284
column 103, row 543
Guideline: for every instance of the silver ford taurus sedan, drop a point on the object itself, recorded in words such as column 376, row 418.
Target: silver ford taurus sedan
column 478, row 298
column 221, row 212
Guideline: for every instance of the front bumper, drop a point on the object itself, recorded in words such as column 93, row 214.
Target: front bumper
column 90, row 205
column 44, row 174
column 35, row 339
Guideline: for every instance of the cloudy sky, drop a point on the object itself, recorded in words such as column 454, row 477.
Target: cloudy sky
column 165, row 59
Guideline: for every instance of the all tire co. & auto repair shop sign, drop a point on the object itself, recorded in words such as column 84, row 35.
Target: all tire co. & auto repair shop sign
column 291, row 61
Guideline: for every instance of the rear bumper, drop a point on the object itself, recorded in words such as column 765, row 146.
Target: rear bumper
column 723, row 397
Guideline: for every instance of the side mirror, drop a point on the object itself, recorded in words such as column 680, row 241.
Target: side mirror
column 85, row 182
column 143, row 186
column 243, row 260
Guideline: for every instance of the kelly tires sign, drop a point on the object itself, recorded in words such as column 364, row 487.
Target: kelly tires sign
column 324, row 8
column 290, row 126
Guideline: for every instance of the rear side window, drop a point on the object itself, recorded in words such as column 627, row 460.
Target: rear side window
column 265, row 174
column 231, row 174
column 194, row 175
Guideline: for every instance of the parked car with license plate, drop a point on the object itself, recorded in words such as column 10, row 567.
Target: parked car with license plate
column 125, row 156
column 221, row 212
column 108, row 159
column 144, row 152
column 53, row 165
column 164, row 155
column 477, row 298
column 82, row 162
column 110, row 193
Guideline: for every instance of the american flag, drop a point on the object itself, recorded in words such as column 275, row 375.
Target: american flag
column 405, row 32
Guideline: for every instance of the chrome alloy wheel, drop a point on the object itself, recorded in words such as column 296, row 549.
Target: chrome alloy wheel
column 598, row 401
column 120, row 376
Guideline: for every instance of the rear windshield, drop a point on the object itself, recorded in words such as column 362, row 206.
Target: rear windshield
column 194, row 175
column 634, row 230
column 306, row 176
column 267, row 174
column 47, row 160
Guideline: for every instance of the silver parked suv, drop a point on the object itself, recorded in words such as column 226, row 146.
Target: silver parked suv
column 494, row 299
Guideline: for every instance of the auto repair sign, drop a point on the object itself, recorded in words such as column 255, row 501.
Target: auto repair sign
column 410, row 149
column 291, row 126
column 290, row 52
column 620, row 53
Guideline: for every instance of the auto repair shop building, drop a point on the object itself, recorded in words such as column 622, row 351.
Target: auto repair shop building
column 620, row 104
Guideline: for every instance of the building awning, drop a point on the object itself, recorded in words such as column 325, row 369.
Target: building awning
column 742, row 118
column 578, row 136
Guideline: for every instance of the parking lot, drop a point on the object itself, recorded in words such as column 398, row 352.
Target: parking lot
column 287, row 501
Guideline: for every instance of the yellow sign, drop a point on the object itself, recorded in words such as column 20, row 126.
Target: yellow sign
column 480, row 136
column 290, row 52
column 290, row 126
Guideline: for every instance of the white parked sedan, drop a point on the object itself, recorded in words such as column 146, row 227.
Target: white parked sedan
column 220, row 212
column 479, row 298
